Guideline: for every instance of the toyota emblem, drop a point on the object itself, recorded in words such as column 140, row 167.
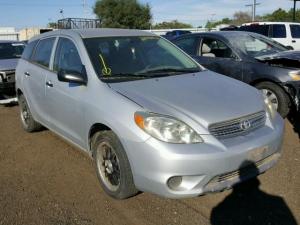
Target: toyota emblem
column 245, row 125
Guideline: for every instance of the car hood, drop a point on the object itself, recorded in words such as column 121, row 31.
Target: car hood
column 204, row 97
column 282, row 59
column 8, row 64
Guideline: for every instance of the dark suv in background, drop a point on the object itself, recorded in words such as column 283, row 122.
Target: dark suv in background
column 10, row 52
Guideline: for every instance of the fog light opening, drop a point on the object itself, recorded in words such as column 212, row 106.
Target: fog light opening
column 174, row 182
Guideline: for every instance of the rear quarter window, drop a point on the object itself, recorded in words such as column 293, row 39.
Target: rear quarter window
column 29, row 50
column 43, row 51
column 259, row 29
column 295, row 31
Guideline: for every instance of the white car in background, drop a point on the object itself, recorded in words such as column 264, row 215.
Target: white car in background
column 287, row 34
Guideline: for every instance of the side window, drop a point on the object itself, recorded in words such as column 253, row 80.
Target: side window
column 189, row 45
column 255, row 28
column 295, row 31
column 29, row 50
column 215, row 48
column 278, row 31
column 43, row 50
column 67, row 58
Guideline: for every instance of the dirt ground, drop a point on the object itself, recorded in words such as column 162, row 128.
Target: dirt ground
column 44, row 180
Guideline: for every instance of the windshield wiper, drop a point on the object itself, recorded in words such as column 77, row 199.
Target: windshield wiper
column 167, row 71
column 123, row 76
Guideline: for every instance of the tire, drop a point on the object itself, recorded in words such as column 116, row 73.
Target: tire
column 29, row 124
column 284, row 102
column 112, row 165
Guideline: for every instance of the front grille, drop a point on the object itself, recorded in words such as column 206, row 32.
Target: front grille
column 7, row 76
column 238, row 126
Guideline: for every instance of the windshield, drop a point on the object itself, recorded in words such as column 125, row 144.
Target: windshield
column 11, row 50
column 137, row 57
column 256, row 45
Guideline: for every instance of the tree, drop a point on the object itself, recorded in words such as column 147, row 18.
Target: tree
column 280, row 15
column 174, row 24
column 241, row 17
column 123, row 14
column 52, row 25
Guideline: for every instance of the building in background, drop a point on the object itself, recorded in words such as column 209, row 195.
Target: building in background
column 9, row 33
column 27, row 33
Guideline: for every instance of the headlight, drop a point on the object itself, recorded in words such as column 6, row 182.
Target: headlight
column 166, row 128
column 295, row 75
column 269, row 107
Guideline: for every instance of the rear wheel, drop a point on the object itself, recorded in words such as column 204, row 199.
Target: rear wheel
column 29, row 124
column 277, row 96
column 112, row 165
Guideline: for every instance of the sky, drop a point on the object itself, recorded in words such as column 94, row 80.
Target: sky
column 32, row 13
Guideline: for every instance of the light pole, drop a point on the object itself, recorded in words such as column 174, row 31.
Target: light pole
column 254, row 9
column 294, row 11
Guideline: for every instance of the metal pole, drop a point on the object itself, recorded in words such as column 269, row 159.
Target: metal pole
column 294, row 13
column 254, row 10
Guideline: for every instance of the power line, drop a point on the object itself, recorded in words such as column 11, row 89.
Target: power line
column 253, row 5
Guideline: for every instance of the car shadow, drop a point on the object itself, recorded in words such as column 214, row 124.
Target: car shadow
column 294, row 119
column 247, row 204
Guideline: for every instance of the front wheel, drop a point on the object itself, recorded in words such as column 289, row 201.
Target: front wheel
column 112, row 166
column 277, row 96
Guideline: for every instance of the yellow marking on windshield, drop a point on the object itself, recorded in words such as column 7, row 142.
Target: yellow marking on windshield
column 106, row 71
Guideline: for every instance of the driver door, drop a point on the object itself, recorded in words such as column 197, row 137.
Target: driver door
column 217, row 56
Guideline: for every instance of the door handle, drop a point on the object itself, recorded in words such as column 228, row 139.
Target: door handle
column 27, row 74
column 293, row 41
column 49, row 84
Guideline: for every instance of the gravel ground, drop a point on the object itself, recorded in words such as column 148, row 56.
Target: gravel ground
column 44, row 180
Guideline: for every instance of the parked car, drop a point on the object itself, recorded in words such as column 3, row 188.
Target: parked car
column 287, row 34
column 175, row 33
column 10, row 52
column 151, row 117
column 251, row 58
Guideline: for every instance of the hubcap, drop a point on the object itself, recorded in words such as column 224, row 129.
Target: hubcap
column 270, row 95
column 25, row 115
column 108, row 166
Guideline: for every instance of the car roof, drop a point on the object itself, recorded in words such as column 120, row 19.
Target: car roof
column 266, row 23
column 93, row 33
column 226, row 34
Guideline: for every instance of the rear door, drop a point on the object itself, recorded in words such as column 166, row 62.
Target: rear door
column 295, row 36
column 278, row 32
column 34, row 81
column 65, row 101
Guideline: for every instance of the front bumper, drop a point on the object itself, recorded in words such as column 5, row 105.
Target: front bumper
column 7, row 82
column 206, row 167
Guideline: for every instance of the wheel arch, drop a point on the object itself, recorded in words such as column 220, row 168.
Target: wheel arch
column 96, row 127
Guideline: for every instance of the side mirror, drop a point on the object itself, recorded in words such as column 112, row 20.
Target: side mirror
column 73, row 76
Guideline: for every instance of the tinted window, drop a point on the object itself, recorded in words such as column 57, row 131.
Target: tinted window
column 295, row 30
column 189, row 45
column 259, row 29
column 215, row 48
column 43, row 50
column 11, row 50
column 29, row 50
column 278, row 31
column 67, row 58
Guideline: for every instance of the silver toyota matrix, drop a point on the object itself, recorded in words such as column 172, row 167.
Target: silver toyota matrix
column 151, row 117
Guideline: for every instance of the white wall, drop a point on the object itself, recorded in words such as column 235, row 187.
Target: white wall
column 8, row 33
